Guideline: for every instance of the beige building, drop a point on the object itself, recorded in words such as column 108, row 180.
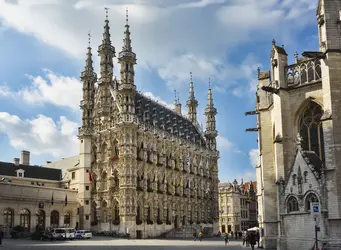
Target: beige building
column 297, row 171
column 33, row 196
column 238, row 207
column 142, row 167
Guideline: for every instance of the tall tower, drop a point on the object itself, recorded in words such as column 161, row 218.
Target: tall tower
column 88, row 77
column 106, row 52
column 210, row 113
column 177, row 104
column 128, row 128
column 127, row 88
column 192, row 103
column 329, row 19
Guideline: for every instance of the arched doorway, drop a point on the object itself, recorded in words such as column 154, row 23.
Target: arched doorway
column 67, row 219
column 8, row 217
column 54, row 219
column 176, row 225
column 25, row 219
column 41, row 216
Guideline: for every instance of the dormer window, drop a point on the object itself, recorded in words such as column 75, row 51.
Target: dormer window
column 20, row 173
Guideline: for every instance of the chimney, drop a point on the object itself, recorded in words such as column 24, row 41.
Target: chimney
column 25, row 157
column 16, row 161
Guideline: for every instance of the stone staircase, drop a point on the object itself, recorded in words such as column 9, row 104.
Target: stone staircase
column 186, row 231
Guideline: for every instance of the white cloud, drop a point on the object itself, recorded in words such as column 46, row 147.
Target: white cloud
column 223, row 144
column 41, row 135
column 51, row 88
column 254, row 157
column 173, row 37
column 158, row 99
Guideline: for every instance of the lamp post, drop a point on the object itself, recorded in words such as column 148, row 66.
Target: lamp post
column 221, row 219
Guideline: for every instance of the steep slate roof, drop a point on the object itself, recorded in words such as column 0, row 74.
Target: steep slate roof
column 163, row 118
column 35, row 172
column 312, row 159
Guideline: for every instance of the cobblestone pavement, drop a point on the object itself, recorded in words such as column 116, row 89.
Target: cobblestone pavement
column 98, row 243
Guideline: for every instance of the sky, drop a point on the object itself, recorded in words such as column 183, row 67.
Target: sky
column 42, row 53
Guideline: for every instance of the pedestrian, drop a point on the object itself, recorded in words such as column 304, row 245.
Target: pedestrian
column 195, row 236
column 244, row 238
column 226, row 238
column 247, row 239
column 257, row 238
column 252, row 240
column 200, row 236
column 236, row 234
column 231, row 234
column 1, row 235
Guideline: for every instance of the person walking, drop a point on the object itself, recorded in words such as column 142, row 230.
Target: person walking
column 226, row 238
column 252, row 240
column 244, row 238
column 195, row 236
column 200, row 236
column 2, row 234
column 257, row 237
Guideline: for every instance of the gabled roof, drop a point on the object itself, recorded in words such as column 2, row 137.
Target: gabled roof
column 35, row 172
column 166, row 119
column 313, row 161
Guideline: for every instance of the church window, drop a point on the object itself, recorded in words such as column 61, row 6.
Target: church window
column 127, row 67
column 149, row 214
column 309, row 199
column 305, row 176
column 311, row 129
column 292, row 205
column 117, row 212
column 294, row 177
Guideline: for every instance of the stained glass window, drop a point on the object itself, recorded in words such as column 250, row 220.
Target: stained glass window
column 311, row 129
column 292, row 205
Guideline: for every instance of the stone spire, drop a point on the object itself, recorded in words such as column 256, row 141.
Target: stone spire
column 210, row 113
column 192, row 104
column 177, row 104
column 106, row 53
column 88, row 78
column 175, row 100
column 127, row 60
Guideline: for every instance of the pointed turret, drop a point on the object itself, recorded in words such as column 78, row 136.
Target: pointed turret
column 177, row 104
column 192, row 103
column 106, row 53
column 127, row 60
column 88, row 78
column 210, row 113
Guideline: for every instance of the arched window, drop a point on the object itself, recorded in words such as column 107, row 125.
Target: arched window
column 25, row 219
column 149, row 214
column 294, row 177
column 116, row 212
column 67, row 219
column 40, row 220
column 104, row 181
column 54, row 219
column 311, row 129
column 292, row 205
column 158, row 214
column 305, row 176
column 309, row 199
column 9, row 217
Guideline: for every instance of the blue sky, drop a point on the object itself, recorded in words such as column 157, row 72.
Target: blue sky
column 43, row 45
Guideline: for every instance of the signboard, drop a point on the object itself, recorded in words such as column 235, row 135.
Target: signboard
column 315, row 209
column 41, row 205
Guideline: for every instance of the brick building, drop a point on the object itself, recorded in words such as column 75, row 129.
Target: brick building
column 298, row 123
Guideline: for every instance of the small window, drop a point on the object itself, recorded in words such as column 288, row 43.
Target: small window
column 87, row 188
column 87, row 202
column 87, row 170
column 294, row 179
column 20, row 174
column 73, row 175
column 292, row 205
column 305, row 175
column 87, row 217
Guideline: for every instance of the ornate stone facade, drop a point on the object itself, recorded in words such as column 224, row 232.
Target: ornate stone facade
column 302, row 98
column 151, row 168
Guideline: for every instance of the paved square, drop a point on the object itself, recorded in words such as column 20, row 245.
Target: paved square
column 122, row 244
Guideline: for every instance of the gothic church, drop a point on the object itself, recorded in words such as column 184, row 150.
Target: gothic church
column 298, row 123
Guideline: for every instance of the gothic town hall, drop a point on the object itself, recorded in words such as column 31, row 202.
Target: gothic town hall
column 142, row 167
